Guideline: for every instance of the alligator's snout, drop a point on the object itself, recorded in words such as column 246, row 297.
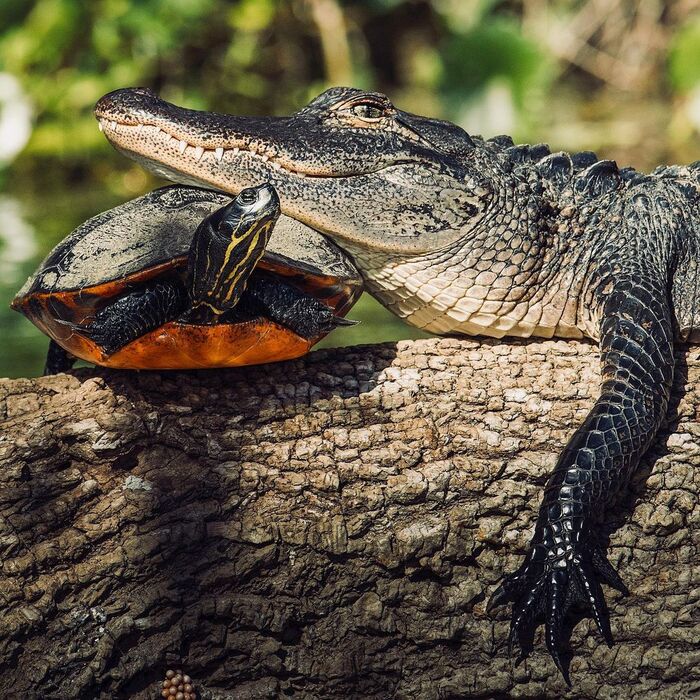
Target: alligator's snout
column 129, row 105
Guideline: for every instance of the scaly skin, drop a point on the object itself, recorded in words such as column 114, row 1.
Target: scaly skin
column 460, row 235
column 627, row 292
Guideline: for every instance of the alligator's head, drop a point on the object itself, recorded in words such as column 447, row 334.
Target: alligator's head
column 348, row 164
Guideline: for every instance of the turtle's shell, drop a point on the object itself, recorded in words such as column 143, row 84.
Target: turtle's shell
column 149, row 237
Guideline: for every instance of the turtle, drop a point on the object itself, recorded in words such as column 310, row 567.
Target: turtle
column 189, row 278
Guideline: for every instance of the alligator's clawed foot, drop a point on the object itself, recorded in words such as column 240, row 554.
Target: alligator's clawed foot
column 546, row 586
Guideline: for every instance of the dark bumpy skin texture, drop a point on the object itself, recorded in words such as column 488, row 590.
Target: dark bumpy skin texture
column 136, row 313
column 457, row 234
column 269, row 297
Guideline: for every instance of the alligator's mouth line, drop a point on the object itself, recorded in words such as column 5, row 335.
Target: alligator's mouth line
column 113, row 130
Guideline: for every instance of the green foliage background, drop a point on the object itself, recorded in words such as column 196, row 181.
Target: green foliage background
column 625, row 83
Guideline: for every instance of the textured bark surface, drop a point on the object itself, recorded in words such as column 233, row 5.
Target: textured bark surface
column 326, row 528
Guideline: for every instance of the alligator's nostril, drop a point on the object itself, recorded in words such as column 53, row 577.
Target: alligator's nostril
column 119, row 101
column 141, row 91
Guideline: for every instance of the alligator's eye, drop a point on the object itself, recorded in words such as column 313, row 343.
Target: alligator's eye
column 367, row 110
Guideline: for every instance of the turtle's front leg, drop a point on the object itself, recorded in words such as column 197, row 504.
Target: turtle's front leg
column 289, row 307
column 566, row 561
column 134, row 314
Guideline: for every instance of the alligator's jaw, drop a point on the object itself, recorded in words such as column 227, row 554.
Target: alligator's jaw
column 168, row 154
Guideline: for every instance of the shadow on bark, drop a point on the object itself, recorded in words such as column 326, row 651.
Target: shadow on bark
column 329, row 527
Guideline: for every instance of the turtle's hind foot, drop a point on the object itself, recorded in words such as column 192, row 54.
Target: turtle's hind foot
column 57, row 359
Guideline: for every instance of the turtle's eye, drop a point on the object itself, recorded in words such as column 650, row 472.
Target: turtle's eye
column 367, row 110
column 248, row 196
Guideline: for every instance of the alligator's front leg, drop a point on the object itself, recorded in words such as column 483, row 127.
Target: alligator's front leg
column 566, row 561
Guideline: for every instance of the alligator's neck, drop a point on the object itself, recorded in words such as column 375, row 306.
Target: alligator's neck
column 519, row 272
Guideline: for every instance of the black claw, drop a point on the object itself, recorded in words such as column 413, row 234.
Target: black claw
column 600, row 612
column 519, row 637
column 340, row 321
column 498, row 597
column 603, row 623
column 606, row 571
column 597, row 605
column 556, row 610
column 554, row 624
column 600, row 616
column 523, row 623
column 556, row 657
column 512, row 640
column 593, row 597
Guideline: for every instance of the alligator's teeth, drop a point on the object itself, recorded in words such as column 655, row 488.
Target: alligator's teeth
column 168, row 138
column 265, row 157
column 112, row 124
column 198, row 152
column 218, row 153
column 301, row 174
column 100, row 126
column 157, row 128
column 139, row 128
column 236, row 151
column 182, row 146
column 275, row 165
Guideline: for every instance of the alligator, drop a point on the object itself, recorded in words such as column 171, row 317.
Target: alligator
column 459, row 234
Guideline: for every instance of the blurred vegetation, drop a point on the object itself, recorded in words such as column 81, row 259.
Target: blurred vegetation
column 617, row 76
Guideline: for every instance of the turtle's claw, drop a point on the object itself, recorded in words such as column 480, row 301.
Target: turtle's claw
column 342, row 321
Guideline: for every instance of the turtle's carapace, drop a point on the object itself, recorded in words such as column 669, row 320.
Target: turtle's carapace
column 209, row 303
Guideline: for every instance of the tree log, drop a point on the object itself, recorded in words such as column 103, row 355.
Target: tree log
column 327, row 528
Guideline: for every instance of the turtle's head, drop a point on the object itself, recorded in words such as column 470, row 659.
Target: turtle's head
column 228, row 245
column 253, row 207
column 349, row 164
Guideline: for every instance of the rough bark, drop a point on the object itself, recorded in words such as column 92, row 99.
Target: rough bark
column 326, row 528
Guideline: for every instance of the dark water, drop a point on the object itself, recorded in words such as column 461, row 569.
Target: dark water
column 32, row 224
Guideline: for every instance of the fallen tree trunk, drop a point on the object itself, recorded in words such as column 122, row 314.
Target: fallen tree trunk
column 325, row 528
